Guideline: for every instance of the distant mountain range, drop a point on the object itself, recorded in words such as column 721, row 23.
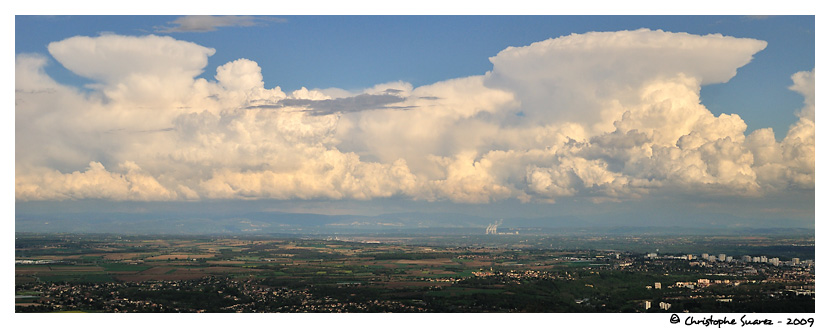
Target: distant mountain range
column 415, row 223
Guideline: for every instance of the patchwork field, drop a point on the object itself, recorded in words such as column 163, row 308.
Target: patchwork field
column 179, row 274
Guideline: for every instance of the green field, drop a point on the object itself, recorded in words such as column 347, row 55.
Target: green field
column 123, row 267
column 76, row 278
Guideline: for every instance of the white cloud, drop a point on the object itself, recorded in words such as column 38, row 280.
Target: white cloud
column 466, row 180
column 799, row 146
column 608, row 116
column 94, row 182
column 591, row 78
column 805, row 84
column 114, row 58
column 325, row 174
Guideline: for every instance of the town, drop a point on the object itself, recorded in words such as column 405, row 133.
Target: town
column 109, row 273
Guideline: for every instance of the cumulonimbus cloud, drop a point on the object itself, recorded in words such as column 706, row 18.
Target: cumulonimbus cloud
column 604, row 115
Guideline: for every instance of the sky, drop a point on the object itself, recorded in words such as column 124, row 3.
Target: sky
column 612, row 117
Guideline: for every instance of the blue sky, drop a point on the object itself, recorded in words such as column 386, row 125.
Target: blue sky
column 496, row 125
